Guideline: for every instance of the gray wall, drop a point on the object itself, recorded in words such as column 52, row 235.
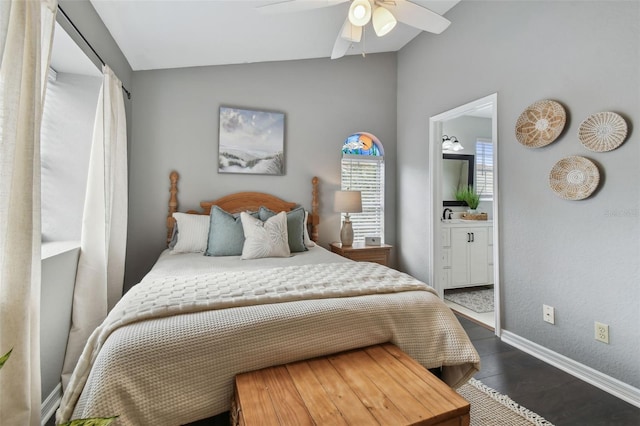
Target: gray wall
column 582, row 257
column 176, row 128
column 67, row 127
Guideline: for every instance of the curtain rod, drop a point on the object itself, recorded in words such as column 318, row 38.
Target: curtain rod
column 90, row 46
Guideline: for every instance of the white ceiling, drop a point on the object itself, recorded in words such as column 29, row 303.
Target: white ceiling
column 157, row 34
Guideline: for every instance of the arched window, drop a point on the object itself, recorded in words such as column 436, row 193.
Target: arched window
column 363, row 170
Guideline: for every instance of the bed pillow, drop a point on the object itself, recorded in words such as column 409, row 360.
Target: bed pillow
column 191, row 232
column 226, row 236
column 307, row 241
column 265, row 239
column 295, row 227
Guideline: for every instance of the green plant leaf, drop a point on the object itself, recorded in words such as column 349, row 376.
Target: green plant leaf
column 468, row 194
column 97, row 421
column 5, row 357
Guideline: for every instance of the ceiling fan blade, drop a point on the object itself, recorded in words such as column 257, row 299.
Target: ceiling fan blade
column 351, row 32
column 290, row 6
column 342, row 43
column 418, row 16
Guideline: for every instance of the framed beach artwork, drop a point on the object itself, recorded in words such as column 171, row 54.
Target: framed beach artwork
column 251, row 142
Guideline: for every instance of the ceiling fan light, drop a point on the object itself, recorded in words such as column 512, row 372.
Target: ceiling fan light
column 360, row 12
column 383, row 21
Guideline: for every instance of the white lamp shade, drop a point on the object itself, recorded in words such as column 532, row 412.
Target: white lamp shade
column 383, row 21
column 360, row 12
column 455, row 144
column 348, row 202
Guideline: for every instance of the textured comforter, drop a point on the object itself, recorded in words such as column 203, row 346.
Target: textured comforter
column 168, row 352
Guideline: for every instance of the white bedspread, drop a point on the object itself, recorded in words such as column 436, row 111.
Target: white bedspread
column 168, row 352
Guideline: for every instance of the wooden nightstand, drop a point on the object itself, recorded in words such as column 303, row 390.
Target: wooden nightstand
column 362, row 253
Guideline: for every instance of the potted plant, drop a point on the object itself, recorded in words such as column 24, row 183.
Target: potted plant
column 469, row 195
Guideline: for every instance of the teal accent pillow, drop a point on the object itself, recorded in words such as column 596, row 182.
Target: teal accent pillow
column 226, row 237
column 295, row 227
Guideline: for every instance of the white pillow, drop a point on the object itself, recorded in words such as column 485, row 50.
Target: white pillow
column 265, row 239
column 193, row 233
column 307, row 240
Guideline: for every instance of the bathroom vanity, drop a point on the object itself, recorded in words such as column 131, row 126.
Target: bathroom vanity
column 467, row 253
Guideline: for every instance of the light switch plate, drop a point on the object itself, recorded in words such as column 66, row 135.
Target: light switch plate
column 371, row 241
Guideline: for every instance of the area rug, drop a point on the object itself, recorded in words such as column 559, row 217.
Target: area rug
column 478, row 300
column 491, row 408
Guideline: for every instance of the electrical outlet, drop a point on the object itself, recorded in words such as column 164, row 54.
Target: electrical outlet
column 548, row 314
column 602, row 332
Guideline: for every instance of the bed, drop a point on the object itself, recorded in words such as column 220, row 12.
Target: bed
column 168, row 351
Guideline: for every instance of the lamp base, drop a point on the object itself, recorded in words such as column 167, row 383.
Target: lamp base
column 346, row 233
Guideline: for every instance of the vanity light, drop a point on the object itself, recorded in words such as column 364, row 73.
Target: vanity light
column 451, row 143
column 360, row 12
column 455, row 144
column 383, row 21
column 447, row 145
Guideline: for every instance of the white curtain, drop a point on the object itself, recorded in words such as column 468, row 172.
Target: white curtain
column 104, row 224
column 26, row 33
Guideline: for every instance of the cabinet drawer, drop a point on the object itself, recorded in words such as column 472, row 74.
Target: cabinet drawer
column 446, row 237
column 445, row 278
column 376, row 256
column 446, row 258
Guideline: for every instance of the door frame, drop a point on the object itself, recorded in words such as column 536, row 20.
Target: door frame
column 435, row 195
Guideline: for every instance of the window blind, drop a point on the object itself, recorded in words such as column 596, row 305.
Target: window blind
column 484, row 169
column 365, row 174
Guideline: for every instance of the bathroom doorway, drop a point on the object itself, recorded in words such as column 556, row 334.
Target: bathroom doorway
column 464, row 255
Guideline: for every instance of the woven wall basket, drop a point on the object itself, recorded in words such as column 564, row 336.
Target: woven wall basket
column 601, row 132
column 540, row 124
column 574, row 178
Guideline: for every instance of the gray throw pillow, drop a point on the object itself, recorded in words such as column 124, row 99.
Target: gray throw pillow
column 295, row 227
column 226, row 237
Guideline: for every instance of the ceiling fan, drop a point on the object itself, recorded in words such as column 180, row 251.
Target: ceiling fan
column 383, row 14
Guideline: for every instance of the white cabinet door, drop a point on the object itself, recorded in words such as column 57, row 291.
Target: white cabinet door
column 459, row 257
column 478, row 256
column 469, row 256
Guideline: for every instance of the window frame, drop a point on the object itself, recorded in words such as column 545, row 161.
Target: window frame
column 371, row 221
column 481, row 166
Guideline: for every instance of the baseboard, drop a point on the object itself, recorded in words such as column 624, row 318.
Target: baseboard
column 50, row 405
column 600, row 380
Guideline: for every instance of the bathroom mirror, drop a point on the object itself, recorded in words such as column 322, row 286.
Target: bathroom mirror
column 457, row 171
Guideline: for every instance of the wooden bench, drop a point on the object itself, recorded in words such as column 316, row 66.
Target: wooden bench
column 375, row 385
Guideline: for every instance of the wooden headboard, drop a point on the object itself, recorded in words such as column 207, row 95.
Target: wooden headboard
column 243, row 201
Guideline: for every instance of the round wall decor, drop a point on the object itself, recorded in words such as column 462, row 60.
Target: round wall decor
column 574, row 178
column 540, row 124
column 603, row 131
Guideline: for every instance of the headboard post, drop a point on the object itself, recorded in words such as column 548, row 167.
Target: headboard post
column 315, row 215
column 173, row 204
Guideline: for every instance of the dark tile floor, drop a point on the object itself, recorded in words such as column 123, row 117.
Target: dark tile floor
column 555, row 395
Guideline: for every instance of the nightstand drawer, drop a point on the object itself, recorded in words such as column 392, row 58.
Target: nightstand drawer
column 362, row 253
column 375, row 256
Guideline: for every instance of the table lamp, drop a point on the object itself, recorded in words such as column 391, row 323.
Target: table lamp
column 347, row 202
